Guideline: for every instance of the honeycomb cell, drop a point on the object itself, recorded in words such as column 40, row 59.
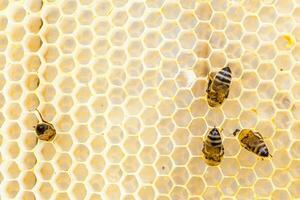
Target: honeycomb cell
column 29, row 180
column 45, row 190
column 52, row 14
column 120, row 18
column 28, row 195
column 179, row 192
column 284, row 24
column 15, row 91
column 62, row 181
column 187, row 20
column 282, row 119
column 263, row 187
column 217, row 59
column 266, row 90
column 217, row 40
column 115, row 154
column 251, row 23
column 245, row 193
column 281, row 178
column 283, row 158
column 79, row 191
column 171, row 10
column 218, row 21
column 246, row 177
column 163, row 184
column 13, row 170
column 64, row 162
column 229, row 186
column 80, row 172
column 263, row 169
column 212, row 176
column 211, row 193
column 18, row 13
column 46, row 171
column 234, row 31
column 279, row 194
column 12, row 189
column 147, row 174
column 165, row 147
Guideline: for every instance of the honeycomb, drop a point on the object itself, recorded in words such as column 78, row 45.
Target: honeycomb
column 123, row 82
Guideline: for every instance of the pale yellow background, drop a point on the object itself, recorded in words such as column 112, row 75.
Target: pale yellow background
column 123, row 82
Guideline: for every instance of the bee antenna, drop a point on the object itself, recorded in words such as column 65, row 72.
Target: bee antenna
column 271, row 156
column 40, row 115
column 236, row 131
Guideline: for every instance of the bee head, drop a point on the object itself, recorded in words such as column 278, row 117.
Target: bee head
column 40, row 128
column 264, row 152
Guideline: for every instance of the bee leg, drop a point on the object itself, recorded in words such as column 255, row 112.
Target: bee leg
column 209, row 84
column 226, row 95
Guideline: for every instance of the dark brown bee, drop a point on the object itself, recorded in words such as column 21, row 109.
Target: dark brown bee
column 44, row 130
column 218, row 86
column 213, row 148
column 252, row 141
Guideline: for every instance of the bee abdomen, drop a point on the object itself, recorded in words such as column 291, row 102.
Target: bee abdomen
column 224, row 76
column 214, row 138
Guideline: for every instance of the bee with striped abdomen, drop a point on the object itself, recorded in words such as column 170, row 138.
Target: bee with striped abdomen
column 213, row 148
column 252, row 141
column 218, row 86
column 44, row 130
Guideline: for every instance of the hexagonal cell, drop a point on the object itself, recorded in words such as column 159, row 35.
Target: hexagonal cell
column 112, row 192
column 251, row 23
column 130, row 164
column 163, row 184
column 132, row 145
column 284, row 24
column 115, row 154
column 263, row 169
column 203, row 30
column 81, row 153
column 170, row 10
column 234, row 31
column 147, row 174
column 265, row 110
column 46, row 171
column 211, row 193
column 63, row 181
column 267, row 51
column 146, row 193
column 130, row 184
column 113, row 173
column 98, row 124
column 217, row 59
column 229, row 186
column 12, row 189
column 165, row 146
column 79, row 191
column 283, row 157
column 268, row 33
column 250, row 41
column 179, row 192
column 283, row 81
column 281, row 178
column 245, row 193
column 97, row 163
column 263, row 187
column 282, row 119
column 187, row 20
column 217, row 40
column 246, row 177
column 284, row 7
column 266, row 90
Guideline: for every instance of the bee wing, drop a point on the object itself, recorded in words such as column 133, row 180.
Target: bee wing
column 258, row 135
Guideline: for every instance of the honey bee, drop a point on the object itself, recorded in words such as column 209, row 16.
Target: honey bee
column 218, row 86
column 252, row 141
column 44, row 130
column 213, row 148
